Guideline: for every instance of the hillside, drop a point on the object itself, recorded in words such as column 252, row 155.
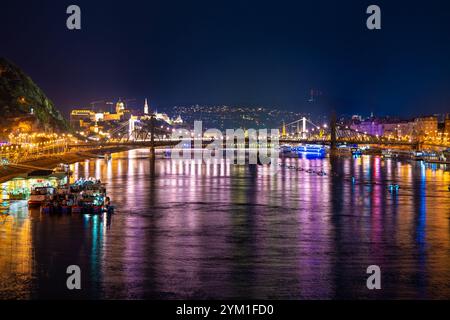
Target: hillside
column 22, row 101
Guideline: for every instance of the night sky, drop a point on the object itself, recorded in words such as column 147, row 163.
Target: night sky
column 252, row 53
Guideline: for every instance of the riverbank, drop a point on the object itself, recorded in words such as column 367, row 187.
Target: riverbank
column 7, row 173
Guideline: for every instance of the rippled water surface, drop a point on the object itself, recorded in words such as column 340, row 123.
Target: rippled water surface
column 224, row 231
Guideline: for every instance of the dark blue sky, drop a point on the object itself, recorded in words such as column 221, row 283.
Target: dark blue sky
column 268, row 53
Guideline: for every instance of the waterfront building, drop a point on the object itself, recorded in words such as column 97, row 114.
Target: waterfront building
column 400, row 129
column 386, row 127
column 100, row 123
column 79, row 116
column 426, row 126
column 447, row 125
column 371, row 127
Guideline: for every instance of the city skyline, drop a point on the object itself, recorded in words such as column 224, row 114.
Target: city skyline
column 250, row 54
column 225, row 155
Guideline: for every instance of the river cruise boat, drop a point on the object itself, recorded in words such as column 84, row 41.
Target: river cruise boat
column 417, row 156
column 310, row 151
column 436, row 158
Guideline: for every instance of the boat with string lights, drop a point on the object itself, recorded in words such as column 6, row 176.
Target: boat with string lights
column 310, row 151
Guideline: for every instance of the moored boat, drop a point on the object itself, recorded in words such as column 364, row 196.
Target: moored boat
column 386, row 154
column 85, row 196
column 356, row 151
column 39, row 195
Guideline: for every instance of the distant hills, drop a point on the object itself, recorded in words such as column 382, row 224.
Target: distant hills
column 23, row 104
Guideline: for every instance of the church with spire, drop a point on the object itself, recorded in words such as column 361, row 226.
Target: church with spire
column 160, row 116
column 146, row 107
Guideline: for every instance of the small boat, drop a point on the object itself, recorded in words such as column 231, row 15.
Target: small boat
column 356, row 151
column 39, row 195
column 386, row 154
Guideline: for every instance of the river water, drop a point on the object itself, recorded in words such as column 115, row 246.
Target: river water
column 224, row 231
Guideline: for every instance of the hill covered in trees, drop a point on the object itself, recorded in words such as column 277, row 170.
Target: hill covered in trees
column 23, row 105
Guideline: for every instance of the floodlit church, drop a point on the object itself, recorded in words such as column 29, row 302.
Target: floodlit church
column 160, row 115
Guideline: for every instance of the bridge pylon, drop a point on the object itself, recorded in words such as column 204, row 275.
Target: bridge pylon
column 333, row 145
column 283, row 130
column 303, row 128
column 152, row 136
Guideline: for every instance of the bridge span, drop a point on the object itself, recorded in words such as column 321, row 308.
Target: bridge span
column 172, row 142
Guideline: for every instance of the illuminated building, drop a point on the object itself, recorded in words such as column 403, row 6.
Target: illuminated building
column 78, row 116
column 99, row 117
column 120, row 107
column 83, row 117
column 178, row 120
column 146, row 107
column 371, row 127
column 447, row 124
column 426, row 126
column 99, row 123
column 398, row 129
column 110, row 116
column 163, row 117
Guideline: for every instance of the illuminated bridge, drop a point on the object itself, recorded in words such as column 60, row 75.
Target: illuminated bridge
column 135, row 133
